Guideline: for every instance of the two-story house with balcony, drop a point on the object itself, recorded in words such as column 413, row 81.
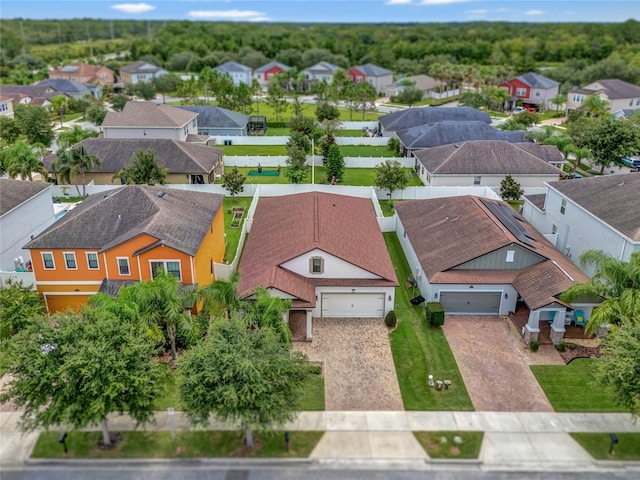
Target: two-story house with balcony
column 532, row 89
column 378, row 77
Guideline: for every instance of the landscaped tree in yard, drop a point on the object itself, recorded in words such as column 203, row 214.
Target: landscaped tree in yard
column 144, row 168
column 391, row 175
column 326, row 111
column 559, row 100
column 409, row 95
column 595, row 106
column 233, row 181
column 510, row 189
column 616, row 282
column 18, row 307
column 609, row 140
column 335, row 164
column 242, row 375
column 77, row 369
column 275, row 99
column 34, row 123
column 59, row 105
column 221, row 294
column 119, row 101
column 23, row 160
column 76, row 134
column 296, row 170
column 95, row 113
column 267, row 311
column 75, row 162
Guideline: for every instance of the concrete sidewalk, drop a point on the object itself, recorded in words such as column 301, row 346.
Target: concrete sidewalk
column 513, row 440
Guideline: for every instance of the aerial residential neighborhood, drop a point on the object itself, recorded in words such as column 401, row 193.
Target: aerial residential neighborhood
column 246, row 243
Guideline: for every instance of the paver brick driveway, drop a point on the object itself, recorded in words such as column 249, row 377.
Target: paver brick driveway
column 359, row 373
column 496, row 373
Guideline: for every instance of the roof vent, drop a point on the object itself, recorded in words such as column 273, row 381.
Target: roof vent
column 160, row 194
column 457, row 146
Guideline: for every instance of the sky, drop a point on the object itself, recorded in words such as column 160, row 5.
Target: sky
column 331, row 11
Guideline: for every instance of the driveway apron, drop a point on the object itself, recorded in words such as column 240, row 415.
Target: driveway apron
column 497, row 375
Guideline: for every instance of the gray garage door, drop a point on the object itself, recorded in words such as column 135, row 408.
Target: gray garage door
column 487, row 303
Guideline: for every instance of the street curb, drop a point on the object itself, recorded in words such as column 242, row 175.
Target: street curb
column 617, row 463
column 227, row 461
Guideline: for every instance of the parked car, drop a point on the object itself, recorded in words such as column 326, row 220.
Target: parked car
column 632, row 162
column 518, row 110
column 531, row 108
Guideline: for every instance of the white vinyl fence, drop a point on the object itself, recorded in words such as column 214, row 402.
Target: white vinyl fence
column 281, row 160
column 222, row 141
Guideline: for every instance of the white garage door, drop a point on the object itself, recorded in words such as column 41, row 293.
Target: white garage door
column 353, row 305
column 487, row 303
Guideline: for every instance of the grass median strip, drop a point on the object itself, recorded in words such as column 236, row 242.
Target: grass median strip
column 598, row 444
column 189, row 444
column 450, row 444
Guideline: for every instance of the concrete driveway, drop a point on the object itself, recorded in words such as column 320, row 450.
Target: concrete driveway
column 494, row 369
column 359, row 373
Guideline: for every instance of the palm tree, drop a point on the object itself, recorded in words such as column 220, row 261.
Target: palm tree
column 73, row 162
column 22, row 160
column 221, row 294
column 59, row 104
column 267, row 312
column 144, row 168
column 595, row 106
column 558, row 100
column 578, row 153
column 617, row 282
column 69, row 138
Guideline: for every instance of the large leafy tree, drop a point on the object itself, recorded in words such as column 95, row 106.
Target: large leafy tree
column 267, row 311
column 296, row 170
column 510, row 189
column 595, row 106
column 35, row 124
column 75, row 135
column 144, row 168
column 18, row 307
column 233, row 181
column 275, row 99
column 77, row 369
column 391, row 175
column 23, row 160
column 616, row 282
column 95, row 113
column 75, row 162
column 242, row 375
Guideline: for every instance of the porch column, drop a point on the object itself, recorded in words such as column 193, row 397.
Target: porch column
column 285, row 317
column 557, row 327
column 309, row 326
column 531, row 330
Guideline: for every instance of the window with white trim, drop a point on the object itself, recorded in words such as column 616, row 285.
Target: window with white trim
column 563, row 206
column 47, row 261
column 476, row 180
column 316, row 265
column 169, row 266
column 521, row 92
column 123, row 266
column 554, row 229
column 511, row 255
column 92, row 261
column 70, row 260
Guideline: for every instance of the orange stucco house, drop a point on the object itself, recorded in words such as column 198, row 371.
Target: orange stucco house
column 126, row 235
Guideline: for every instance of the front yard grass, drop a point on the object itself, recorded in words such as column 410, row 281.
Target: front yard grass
column 367, row 151
column 572, row 388
column 248, row 150
column 188, row 444
column 313, row 394
column 419, row 350
column 433, row 444
column 233, row 234
column 597, row 444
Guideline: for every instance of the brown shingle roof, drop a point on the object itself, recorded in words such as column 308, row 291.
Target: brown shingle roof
column 286, row 227
column 548, row 153
column 447, row 232
column 15, row 192
column 483, row 157
column 177, row 218
column 614, row 199
column 178, row 157
column 148, row 114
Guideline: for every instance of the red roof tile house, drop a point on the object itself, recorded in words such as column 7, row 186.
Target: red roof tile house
column 479, row 257
column 325, row 252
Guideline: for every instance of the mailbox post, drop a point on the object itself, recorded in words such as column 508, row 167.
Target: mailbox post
column 614, row 440
column 63, row 440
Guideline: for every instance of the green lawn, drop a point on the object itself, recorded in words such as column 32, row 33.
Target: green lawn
column 367, row 151
column 515, row 204
column 169, row 396
column 572, row 388
column 233, row 234
column 419, row 350
column 188, row 444
column 349, row 133
column 387, row 207
column 254, row 149
column 313, row 395
column 277, row 131
column 597, row 444
column 433, row 444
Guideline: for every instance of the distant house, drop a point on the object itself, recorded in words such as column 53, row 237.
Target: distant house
column 320, row 72
column 214, row 121
column 140, row 72
column 6, row 106
column 84, row 73
column 29, row 94
column 451, row 132
column 380, row 78
column 484, row 162
column 26, row 209
column 148, row 120
column 531, row 89
column 426, row 84
column 73, row 89
column 298, row 250
column 265, row 73
column 238, row 72
column 416, row 117
column 187, row 162
column 620, row 95
column 595, row 213
column 126, row 235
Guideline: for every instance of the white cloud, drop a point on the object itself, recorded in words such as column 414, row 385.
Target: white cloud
column 440, row 2
column 397, row 2
column 133, row 7
column 478, row 11
column 534, row 12
column 232, row 15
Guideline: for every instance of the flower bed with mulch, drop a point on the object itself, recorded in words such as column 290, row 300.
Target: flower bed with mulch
column 574, row 350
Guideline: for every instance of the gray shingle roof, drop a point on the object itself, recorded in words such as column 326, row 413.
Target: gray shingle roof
column 68, row 86
column 270, row 65
column 322, row 67
column 444, row 133
column 15, row 192
column 148, row 114
column 38, row 91
column 140, row 67
column 614, row 199
column 217, row 117
column 233, row 67
column 536, row 80
column 614, row 89
column 178, row 219
column 549, row 153
column 371, row 70
column 414, row 117
column 178, row 157
column 483, row 157
column 537, row 199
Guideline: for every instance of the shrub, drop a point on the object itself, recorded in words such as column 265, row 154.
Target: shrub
column 314, row 369
column 561, row 346
column 435, row 314
column 394, row 144
column 534, row 345
column 390, row 320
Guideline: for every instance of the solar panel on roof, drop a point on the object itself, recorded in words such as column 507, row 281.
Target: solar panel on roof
column 505, row 215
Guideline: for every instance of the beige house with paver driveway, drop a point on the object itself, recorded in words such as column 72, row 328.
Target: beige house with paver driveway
column 477, row 256
column 325, row 252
